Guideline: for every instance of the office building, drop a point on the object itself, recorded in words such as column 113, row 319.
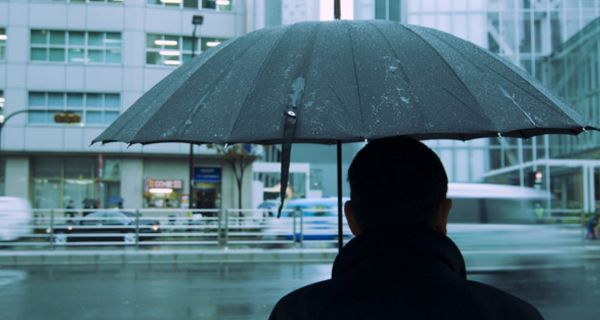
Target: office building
column 93, row 59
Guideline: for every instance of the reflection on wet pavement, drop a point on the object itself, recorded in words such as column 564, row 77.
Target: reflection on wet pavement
column 240, row 291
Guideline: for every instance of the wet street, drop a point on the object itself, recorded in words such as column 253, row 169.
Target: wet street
column 239, row 291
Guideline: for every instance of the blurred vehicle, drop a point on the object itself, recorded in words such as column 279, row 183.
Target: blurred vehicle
column 16, row 217
column 497, row 227
column 106, row 226
column 306, row 219
column 495, row 203
column 473, row 203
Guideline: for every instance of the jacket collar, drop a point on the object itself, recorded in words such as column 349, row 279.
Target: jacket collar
column 421, row 240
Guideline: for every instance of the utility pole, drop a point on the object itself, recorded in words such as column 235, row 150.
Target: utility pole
column 197, row 20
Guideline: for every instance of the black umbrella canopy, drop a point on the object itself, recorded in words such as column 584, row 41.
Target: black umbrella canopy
column 343, row 81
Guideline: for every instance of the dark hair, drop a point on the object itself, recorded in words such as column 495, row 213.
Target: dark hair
column 396, row 181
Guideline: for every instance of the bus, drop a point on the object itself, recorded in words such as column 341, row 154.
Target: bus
column 496, row 227
column 473, row 203
column 495, row 203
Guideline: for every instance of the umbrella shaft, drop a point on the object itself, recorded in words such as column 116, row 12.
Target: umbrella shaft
column 340, row 195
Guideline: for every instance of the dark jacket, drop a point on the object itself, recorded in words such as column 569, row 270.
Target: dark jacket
column 418, row 274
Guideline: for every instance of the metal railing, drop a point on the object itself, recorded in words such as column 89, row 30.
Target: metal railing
column 218, row 228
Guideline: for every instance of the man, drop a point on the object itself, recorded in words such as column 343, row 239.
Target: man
column 400, row 265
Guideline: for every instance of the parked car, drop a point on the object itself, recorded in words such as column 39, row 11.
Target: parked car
column 106, row 226
column 306, row 219
column 16, row 216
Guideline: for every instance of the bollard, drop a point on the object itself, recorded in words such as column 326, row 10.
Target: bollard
column 294, row 227
column 226, row 229
column 137, row 228
column 301, row 227
column 220, row 239
column 52, row 229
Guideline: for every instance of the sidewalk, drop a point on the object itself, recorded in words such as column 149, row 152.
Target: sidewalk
column 169, row 256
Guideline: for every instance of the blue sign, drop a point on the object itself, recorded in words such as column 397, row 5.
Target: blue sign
column 207, row 175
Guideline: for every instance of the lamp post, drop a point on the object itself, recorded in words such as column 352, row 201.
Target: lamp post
column 197, row 20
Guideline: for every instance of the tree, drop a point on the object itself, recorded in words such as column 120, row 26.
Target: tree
column 239, row 157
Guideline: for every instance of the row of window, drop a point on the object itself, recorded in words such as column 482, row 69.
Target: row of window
column 175, row 50
column 75, row 46
column 106, row 47
column 89, row 1
column 93, row 108
column 219, row 5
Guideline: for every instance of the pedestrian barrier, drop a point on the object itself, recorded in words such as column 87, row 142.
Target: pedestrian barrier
column 63, row 228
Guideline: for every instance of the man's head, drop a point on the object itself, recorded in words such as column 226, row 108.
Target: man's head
column 397, row 182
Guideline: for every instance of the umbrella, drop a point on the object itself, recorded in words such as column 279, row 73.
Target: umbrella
column 343, row 81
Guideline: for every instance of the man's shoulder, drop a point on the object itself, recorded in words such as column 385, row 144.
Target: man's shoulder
column 502, row 302
column 303, row 301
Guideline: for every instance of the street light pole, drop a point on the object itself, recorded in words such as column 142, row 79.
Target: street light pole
column 3, row 122
column 65, row 117
column 197, row 20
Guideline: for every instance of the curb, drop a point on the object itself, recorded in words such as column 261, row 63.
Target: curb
column 24, row 258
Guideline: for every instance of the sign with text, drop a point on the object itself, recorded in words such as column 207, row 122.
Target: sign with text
column 207, row 174
column 164, row 183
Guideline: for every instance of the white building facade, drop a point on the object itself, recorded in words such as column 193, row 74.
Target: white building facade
column 94, row 59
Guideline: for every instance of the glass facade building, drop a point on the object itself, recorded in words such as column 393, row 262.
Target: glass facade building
column 553, row 41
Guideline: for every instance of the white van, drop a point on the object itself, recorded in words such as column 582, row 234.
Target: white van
column 318, row 222
column 15, row 218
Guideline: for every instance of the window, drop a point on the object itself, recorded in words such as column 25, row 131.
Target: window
column 93, row 108
column 387, row 9
column 219, row 5
column 173, row 50
column 57, row 180
column 89, row 1
column 3, row 38
column 75, row 46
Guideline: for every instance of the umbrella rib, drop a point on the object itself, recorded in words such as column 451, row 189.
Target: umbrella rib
column 182, row 130
column 360, row 106
column 258, row 75
column 462, row 83
column 551, row 105
column 140, row 112
column 405, row 76
column 222, row 76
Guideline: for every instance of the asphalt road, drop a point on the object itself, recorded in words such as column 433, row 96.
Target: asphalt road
column 239, row 291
